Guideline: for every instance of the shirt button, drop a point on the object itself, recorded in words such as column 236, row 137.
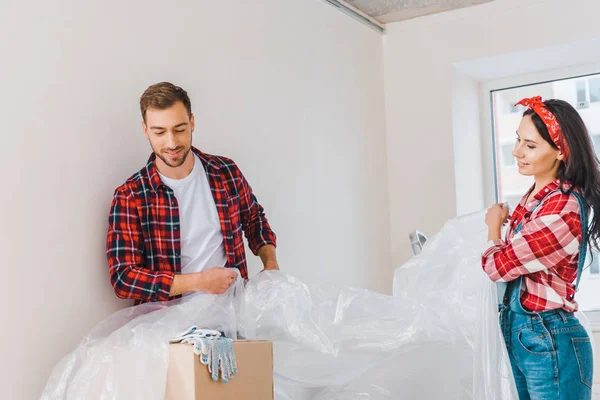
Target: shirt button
column 175, row 228
column 546, row 190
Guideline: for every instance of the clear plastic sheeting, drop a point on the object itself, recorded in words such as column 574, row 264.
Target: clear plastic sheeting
column 332, row 343
column 424, row 342
column 126, row 355
column 437, row 337
column 455, row 289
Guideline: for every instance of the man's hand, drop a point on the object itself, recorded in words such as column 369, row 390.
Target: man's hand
column 217, row 280
column 268, row 257
column 272, row 266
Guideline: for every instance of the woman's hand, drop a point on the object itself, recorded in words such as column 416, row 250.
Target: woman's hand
column 496, row 216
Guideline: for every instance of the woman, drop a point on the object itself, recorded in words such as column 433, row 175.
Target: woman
column 542, row 256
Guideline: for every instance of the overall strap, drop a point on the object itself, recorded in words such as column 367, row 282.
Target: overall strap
column 583, row 246
column 512, row 289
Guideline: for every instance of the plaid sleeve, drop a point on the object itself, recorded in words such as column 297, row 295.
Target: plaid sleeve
column 549, row 239
column 254, row 222
column 125, row 253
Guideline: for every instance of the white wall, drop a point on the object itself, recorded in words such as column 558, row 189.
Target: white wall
column 467, row 143
column 420, row 71
column 290, row 89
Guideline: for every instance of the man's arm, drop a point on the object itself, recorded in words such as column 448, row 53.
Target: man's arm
column 183, row 283
column 268, row 257
column 125, row 254
column 255, row 224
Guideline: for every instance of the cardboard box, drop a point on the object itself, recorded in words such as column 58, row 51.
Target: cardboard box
column 188, row 379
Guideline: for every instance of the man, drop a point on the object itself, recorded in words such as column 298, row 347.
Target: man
column 175, row 227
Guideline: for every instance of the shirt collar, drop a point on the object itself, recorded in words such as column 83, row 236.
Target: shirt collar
column 157, row 184
column 540, row 195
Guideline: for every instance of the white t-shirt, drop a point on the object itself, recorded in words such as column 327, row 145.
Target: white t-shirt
column 200, row 227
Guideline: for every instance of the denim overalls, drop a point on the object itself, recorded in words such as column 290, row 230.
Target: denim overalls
column 550, row 352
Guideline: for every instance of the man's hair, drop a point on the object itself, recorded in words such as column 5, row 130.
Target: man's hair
column 162, row 96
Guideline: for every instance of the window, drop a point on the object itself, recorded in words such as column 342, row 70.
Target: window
column 594, row 90
column 581, row 88
column 507, row 158
column 511, row 186
column 596, row 143
column 588, row 90
column 512, row 108
column 595, row 266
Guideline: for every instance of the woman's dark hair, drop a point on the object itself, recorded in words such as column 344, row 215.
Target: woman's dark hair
column 582, row 168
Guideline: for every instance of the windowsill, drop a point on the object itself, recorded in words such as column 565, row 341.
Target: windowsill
column 594, row 319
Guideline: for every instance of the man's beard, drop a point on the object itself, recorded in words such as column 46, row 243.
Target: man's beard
column 177, row 163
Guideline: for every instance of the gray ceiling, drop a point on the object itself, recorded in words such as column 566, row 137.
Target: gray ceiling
column 397, row 10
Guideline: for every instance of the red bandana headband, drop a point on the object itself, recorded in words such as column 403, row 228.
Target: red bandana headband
column 556, row 134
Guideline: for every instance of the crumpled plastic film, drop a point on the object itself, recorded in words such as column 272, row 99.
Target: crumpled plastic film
column 326, row 336
column 453, row 285
column 436, row 337
column 126, row 355
column 492, row 374
column 424, row 342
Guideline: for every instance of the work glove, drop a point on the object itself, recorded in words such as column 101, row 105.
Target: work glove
column 214, row 350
